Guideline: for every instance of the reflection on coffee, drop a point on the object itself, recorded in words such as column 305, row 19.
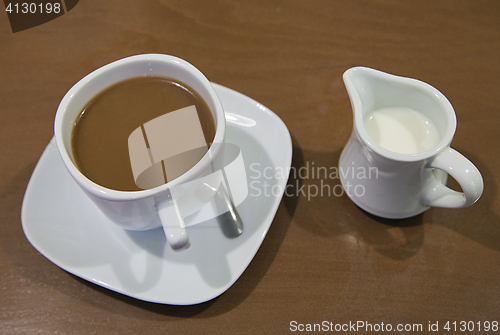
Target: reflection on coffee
column 166, row 147
column 101, row 133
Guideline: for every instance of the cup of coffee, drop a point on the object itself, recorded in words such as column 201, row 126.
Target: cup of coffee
column 133, row 130
column 398, row 157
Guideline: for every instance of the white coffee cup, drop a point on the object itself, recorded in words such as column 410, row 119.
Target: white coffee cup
column 151, row 208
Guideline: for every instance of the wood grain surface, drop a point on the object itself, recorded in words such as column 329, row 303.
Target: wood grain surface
column 323, row 259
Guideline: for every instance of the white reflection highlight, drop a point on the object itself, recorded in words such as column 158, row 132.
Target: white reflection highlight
column 240, row 120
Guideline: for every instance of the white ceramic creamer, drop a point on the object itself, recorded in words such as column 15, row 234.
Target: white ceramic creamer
column 399, row 150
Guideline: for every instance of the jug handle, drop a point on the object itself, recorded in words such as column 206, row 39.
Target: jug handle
column 464, row 172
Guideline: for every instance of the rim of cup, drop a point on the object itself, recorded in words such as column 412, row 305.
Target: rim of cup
column 175, row 64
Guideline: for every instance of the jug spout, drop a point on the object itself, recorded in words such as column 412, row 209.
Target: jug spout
column 371, row 89
column 359, row 83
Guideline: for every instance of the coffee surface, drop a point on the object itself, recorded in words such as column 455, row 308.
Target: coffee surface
column 100, row 133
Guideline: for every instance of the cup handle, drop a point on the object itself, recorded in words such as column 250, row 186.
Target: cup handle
column 464, row 172
column 173, row 224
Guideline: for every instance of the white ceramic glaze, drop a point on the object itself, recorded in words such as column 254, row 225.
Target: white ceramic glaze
column 138, row 210
column 63, row 224
column 394, row 185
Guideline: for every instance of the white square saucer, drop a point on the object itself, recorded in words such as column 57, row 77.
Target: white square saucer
column 67, row 228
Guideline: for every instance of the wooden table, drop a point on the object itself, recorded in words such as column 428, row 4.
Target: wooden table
column 323, row 259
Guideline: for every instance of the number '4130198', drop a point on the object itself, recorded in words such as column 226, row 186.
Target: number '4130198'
column 33, row 8
column 471, row 326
